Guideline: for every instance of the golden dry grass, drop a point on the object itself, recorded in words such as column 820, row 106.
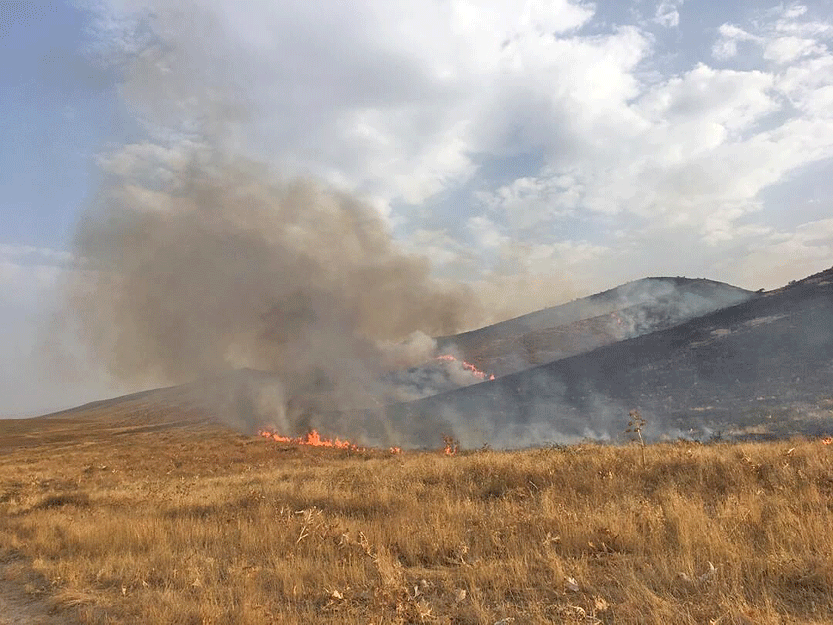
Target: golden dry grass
column 210, row 527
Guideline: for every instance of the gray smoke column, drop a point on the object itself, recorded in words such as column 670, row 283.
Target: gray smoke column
column 202, row 259
column 227, row 267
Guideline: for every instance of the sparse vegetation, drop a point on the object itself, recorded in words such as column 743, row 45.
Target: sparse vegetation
column 215, row 528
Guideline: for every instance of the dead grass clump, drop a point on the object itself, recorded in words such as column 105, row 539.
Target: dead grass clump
column 64, row 499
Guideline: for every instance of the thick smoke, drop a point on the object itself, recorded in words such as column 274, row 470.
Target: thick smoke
column 227, row 267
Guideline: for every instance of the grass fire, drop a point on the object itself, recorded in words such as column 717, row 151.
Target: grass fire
column 416, row 313
column 521, row 497
column 539, row 495
column 468, row 367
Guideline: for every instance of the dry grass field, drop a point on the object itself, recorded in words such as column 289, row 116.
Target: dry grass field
column 198, row 525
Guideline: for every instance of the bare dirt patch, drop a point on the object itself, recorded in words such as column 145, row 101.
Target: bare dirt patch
column 24, row 602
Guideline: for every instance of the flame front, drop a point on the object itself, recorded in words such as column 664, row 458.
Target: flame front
column 312, row 439
column 467, row 366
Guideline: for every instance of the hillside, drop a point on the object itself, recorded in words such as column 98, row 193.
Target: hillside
column 626, row 311
column 761, row 367
column 208, row 405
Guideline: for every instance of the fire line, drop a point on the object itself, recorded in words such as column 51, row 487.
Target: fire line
column 314, row 439
column 467, row 366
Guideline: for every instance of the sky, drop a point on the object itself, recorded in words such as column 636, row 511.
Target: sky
column 537, row 150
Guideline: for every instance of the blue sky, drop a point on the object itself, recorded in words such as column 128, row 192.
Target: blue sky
column 58, row 111
column 539, row 150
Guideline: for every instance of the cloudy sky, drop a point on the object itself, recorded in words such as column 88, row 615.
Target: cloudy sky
column 540, row 150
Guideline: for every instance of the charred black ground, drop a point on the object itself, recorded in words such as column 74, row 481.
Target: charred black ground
column 761, row 368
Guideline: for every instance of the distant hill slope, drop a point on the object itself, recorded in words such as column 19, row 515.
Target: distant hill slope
column 582, row 325
column 761, row 367
column 225, row 399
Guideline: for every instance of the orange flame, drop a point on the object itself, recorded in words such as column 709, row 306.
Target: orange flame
column 312, row 439
column 467, row 366
column 827, row 441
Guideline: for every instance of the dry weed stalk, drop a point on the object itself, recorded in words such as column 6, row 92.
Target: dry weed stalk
column 635, row 425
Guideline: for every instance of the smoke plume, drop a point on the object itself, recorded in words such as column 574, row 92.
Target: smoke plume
column 227, row 267
column 201, row 259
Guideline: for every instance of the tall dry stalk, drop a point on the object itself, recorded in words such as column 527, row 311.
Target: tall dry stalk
column 635, row 426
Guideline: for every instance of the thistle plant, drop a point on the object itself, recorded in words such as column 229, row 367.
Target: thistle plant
column 635, row 425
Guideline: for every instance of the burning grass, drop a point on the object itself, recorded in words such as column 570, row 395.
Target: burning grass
column 168, row 527
column 482, row 375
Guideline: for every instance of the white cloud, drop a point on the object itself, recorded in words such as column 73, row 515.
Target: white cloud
column 486, row 233
column 42, row 254
column 528, row 201
column 784, row 50
column 807, row 83
column 783, row 38
column 668, row 152
column 667, row 13
column 726, row 46
column 796, row 10
column 546, row 16
column 775, row 259
column 30, row 275
column 732, row 99
column 401, row 102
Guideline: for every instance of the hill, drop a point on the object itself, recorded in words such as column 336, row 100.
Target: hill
column 626, row 311
column 201, row 407
column 759, row 368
